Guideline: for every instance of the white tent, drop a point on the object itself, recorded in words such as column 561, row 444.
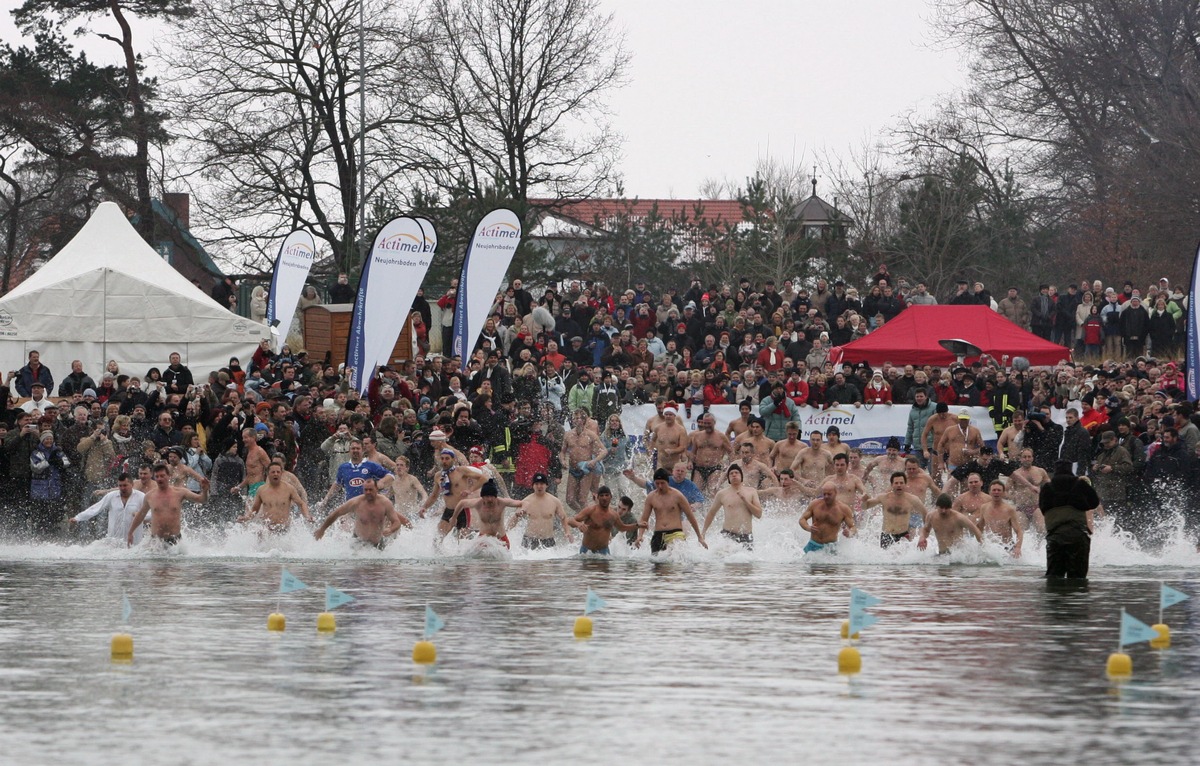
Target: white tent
column 108, row 295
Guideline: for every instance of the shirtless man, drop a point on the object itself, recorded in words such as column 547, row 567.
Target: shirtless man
column 257, row 461
column 598, row 523
column 834, row 443
column 290, row 478
column 1000, row 517
column 922, row 486
column 372, row 453
column 582, row 452
column 489, row 511
column 370, row 511
column 456, row 482
column 164, row 503
column 668, row 506
column 931, row 436
column 180, row 471
column 813, row 464
column 756, row 437
column 947, row 525
column 788, row 490
column 741, row 423
column 849, row 488
column 709, row 449
column 1025, row 485
column 541, row 509
column 741, row 507
column 755, row 473
column 668, row 440
column 887, row 464
column 898, row 509
column 857, row 467
column 654, row 422
column 961, row 442
column 273, row 503
column 406, row 490
column 823, row 518
column 972, row 500
column 1008, row 446
column 785, row 452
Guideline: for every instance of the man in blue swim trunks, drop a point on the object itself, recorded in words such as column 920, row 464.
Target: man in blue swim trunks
column 598, row 522
column 823, row 518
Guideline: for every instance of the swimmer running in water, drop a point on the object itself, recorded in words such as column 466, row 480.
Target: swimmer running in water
column 948, row 525
column 273, row 503
column 164, row 503
column 598, row 522
column 540, row 509
column 370, row 511
column 489, row 511
column 898, row 507
column 823, row 518
column 741, row 505
column 668, row 507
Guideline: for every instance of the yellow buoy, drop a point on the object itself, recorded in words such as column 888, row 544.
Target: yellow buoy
column 326, row 623
column 846, row 630
column 583, row 627
column 424, row 653
column 849, row 660
column 1120, row 665
column 1164, row 636
column 276, row 621
column 122, row 647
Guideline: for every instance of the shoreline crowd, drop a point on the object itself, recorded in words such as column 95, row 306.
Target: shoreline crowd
column 253, row 443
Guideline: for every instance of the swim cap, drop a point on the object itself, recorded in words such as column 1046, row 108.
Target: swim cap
column 489, row 489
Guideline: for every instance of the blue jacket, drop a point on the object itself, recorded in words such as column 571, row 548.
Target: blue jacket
column 26, row 379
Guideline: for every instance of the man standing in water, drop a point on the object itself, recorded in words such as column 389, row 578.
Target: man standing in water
column 598, row 522
column 823, row 518
column 741, row 506
column 257, row 461
column 370, row 511
column 1065, row 508
column 582, row 452
column 456, row 482
column 541, row 509
column 164, row 503
column 898, row 508
column 668, row 506
column 947, row 525
column 273, row 503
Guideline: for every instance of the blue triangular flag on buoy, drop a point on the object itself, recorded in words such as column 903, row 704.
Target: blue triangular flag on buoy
column 433, row 623
column 860, row 600
column 1170, row 597
column 1134, row 631
column 126, row 608
column 335, row 598
column 288, row 582
column 593, row 602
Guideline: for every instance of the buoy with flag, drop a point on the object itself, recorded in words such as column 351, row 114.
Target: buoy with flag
column 583, row 624
column 1133, row 631
column 424, row 652
column 849, row 658
column 1167, row 596
column 326, row 622
column 288, row 583
column 122, row 643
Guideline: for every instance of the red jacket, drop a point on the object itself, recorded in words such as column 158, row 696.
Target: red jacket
column 764, row 359
column 797, row 392
column 872, row 395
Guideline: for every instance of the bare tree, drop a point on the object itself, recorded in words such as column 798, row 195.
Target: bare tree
column 268, row 94
column 516, row 95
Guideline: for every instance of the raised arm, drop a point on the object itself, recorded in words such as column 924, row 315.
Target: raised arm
column 336, row 514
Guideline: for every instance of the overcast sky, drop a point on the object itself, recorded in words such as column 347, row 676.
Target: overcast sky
column 715, row 85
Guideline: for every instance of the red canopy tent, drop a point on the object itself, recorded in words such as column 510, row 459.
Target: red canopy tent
column 912, row 338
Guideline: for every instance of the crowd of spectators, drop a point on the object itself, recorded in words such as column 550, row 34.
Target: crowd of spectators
column 579, row 346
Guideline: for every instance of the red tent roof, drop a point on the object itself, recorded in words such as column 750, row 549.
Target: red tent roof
column 912, row 338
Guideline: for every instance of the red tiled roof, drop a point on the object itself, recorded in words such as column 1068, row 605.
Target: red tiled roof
column 591, row 210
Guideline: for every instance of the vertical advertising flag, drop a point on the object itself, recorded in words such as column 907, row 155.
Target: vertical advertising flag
column 391, row 275
column 1193, row 333
column 488, row 255
column 296, row 256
